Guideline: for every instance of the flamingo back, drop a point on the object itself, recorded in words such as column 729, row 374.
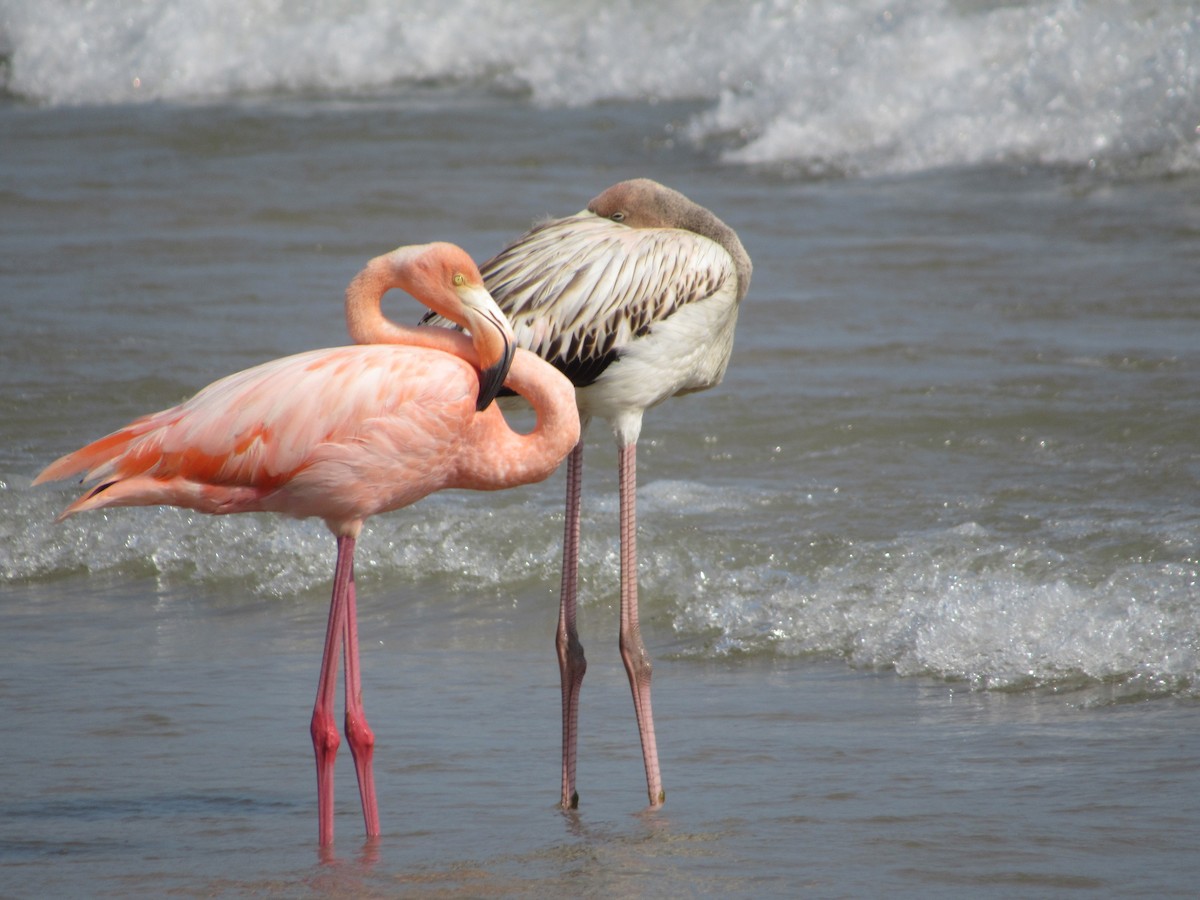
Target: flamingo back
column 341, row 434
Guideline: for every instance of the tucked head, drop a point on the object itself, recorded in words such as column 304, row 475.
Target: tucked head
column 643, row 203
column 445, row 278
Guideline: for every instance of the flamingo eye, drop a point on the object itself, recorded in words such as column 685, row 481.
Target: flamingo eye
column 618, row 216
column 459, row 279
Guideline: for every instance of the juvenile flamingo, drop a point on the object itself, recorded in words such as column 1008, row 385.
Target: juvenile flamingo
column 635, row 299
column 343, row 434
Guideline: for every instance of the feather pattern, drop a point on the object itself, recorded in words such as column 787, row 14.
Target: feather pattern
column 580, row 289
column 275, row 436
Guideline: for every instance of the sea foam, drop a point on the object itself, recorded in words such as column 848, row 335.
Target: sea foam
column 811, row 88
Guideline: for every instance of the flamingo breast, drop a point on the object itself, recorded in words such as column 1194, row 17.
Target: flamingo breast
column 689, row 351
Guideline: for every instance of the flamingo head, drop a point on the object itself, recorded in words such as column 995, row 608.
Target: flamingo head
column 642, row 203
column 445, row 278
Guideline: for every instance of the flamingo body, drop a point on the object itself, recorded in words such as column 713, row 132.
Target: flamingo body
column 635, row 299
column 344, row 434
column 631, row 315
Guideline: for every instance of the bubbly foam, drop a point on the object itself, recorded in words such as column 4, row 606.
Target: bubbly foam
column 817, row 88
column 991, row 629
column 443, row 537
column 958, row 603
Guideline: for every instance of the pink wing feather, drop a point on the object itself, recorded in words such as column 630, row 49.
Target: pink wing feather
column 311, row 434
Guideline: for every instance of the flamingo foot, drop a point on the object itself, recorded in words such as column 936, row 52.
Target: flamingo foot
column 325, row 746
column 571, row 662
column 361, row 739
column 573, row 666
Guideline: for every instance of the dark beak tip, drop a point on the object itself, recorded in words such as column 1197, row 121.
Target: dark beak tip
column 491, row 379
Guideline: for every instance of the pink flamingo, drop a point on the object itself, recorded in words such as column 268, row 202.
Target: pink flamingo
column 635, row 299
column 344, row 434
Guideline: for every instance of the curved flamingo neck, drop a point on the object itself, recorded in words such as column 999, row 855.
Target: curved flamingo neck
column 500, row 457
column 368, row 325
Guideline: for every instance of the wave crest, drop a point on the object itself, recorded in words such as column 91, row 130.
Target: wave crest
column 815, row 88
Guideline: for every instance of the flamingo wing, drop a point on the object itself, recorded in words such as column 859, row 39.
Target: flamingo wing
column 278, row 435
column 579, row 289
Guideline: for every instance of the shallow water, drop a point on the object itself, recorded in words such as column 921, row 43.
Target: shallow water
column 169, row 752
column 920, row 578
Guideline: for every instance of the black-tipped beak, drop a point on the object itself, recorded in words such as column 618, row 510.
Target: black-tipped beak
column 492, row 378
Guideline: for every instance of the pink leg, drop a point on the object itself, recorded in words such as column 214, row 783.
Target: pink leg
column 571, row 662
column 324, row 729
column 633, row 651
column 358, row 733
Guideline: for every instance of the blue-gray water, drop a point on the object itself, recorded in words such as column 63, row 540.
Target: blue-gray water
column 920, row 578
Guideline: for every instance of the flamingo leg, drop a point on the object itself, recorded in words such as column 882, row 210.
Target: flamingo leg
column 359, row 735
column 633, row 651
column 571, row 662
column 324, row 728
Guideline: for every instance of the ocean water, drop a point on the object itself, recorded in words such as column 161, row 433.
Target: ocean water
column 920, row 579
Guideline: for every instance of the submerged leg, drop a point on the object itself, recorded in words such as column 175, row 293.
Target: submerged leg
column 571, row 662
column 359, row 735
column 323, row 728
column 633, row 651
